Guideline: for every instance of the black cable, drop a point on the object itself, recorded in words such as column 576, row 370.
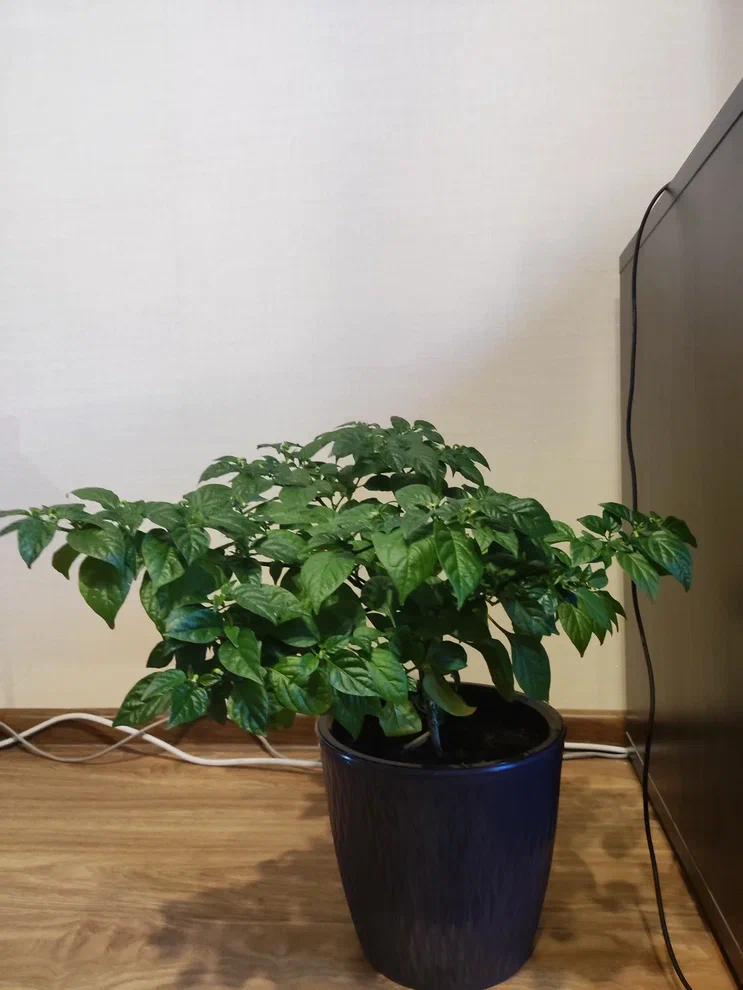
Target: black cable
column 638, row 615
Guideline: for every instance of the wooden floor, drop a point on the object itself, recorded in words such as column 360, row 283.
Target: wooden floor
column 145, row 874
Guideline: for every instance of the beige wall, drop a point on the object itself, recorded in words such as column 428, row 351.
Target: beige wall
column 230, row 222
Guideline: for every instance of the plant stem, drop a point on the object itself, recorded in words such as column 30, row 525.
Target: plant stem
column 433, row 727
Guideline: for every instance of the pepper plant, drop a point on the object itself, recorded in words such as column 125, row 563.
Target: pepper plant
column 350, row 583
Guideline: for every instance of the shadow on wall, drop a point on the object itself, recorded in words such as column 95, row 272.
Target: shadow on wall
column 290, row 926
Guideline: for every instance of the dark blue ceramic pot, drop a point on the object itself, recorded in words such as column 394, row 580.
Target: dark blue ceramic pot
column 445, row 869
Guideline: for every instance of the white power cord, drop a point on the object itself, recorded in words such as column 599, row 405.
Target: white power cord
column 581, row 751
column 575, row 751
column 275, row 759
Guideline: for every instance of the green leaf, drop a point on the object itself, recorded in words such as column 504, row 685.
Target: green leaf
column 33, row 536
column 289, row 515
column 670, row 552
column 619, row 511
column 408, row 564
column 13, row 512
column 149, row 697
column 192, row 588
column 400, row 424
column 598, row 579
column 273, row 603
column 531, row 666
column 105, row 543
column 161, row 560
column 211, row 506
column 188, row 702
column 484, row 536
column 611, row 523
column 245, row 569
column 530, row 517
column 209, row 498
column 193, row 624
column 220, row 467
column 460, row 559
column 353, row 520
column 103, row 496
column 613, row 605
column 429, row 431
column 311, row 699
column 285, row 474
column 562, row 534
column 679, row 528
column 414, row 524
column 529, row 617
column 595, row 606
column 316, row 445
column 104, row 587
column 641, row 571
column 323, row 572
column 247, row 706
column 243, row 658
column 233, row 634
column 594, row 523
column 499, row 664
column 577, row 624
column 364, row 636
column 377, row 592
column 388, row 675
column 446, row 656
column 296, row 632
column 162, row 653
column 416, row 497
column 63, row 559
column 584, row 550
column 165, row 514
column 249, row 485
column 508, row 539
column 400, row 719
column 350, row 710
column 284, row 546
column 191, row 541
column 351, row 674
column 379, row 483
column 11, row 527
column 444, row 695
column 298, row 498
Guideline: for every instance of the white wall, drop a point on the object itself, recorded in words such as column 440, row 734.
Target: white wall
column 234, row 221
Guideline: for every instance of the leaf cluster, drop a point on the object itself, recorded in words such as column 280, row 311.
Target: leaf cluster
column 349, row 575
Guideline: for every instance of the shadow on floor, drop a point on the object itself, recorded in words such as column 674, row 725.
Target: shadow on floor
column 290, row 926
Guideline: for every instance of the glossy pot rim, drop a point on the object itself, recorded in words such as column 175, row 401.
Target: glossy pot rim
column 555, row 737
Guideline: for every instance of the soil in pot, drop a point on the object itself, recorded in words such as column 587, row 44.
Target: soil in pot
column 498, row 730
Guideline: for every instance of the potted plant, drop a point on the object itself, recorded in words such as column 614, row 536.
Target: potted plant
column 352, row 588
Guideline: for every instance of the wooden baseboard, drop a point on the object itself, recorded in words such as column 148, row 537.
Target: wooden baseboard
column 583, row 726
column 607, row 727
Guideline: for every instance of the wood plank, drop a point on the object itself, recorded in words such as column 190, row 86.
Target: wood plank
column 140, row 873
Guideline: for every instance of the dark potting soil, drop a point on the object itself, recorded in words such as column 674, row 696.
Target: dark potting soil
column 498, row 730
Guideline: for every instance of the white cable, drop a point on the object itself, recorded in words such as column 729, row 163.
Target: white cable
column 575, row 751
column 588, row 754
column 269, row 748
column 598, row 748
column 130, row 734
